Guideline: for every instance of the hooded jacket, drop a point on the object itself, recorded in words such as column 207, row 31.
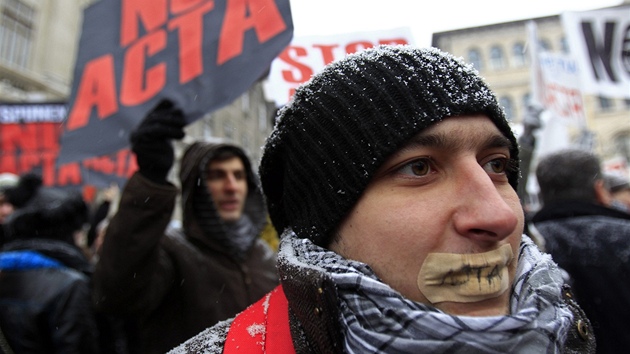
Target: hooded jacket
column 177, row 282
column 592, row 243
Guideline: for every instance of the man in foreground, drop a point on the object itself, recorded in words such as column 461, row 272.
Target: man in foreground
column 393, row 176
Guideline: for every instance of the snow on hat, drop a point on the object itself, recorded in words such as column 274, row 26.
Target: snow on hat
column 347, row 120
column 43, row 212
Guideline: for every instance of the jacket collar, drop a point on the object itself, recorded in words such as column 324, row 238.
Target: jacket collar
column 313, row 305
column 575, row 208
column 66, row 254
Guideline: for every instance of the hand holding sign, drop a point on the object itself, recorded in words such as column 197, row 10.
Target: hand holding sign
column 151, row 141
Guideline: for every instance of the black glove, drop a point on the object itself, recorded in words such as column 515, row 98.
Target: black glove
column 151, row 140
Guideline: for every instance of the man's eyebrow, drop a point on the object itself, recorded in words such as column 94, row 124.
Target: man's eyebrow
column 497, row 141
column 442, row 141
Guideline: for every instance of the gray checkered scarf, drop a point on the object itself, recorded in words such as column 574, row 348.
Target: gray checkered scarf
column 377, row 318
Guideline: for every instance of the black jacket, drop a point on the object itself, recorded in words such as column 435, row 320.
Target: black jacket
column 45, row 303
column 592, row 243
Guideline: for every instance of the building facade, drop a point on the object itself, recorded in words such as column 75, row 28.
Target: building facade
column 500, row 53
column 37, row 48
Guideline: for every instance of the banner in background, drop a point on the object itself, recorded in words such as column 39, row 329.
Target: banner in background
column 600, row 42
column 562, row 89
column 30, row 141
column 308, row 55
column 202, row 54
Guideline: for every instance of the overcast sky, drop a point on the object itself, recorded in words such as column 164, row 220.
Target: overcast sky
column 326, row 17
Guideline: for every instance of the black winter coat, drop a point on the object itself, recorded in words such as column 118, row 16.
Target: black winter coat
column 45, row 303
column 592, row 243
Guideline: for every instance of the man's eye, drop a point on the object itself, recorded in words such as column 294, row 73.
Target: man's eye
column 496, row 166
column 214, row 175
column 420, row 167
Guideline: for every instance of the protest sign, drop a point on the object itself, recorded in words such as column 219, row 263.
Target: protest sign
column 600, row 42
column 201, row 54
column 307, row 55
column 29, row 137
column 562, row 88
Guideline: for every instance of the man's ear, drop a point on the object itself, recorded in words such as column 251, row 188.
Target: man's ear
column 602, row 194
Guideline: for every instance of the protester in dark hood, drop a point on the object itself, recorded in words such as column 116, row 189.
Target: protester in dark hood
column 393, row 176
column 589, row 240
column 177, row 282
column 45, row 303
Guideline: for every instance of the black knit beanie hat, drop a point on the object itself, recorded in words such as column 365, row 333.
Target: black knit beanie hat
column 44, row 212
column 347, row 120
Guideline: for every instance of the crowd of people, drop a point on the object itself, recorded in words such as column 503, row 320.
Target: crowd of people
column 391, row 178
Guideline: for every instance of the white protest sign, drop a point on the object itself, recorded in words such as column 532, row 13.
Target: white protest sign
column 600, row 42
column 307, row 55
column 562, row 89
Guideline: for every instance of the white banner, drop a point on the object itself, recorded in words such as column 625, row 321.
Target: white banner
column 600, row 42
column 306, row 56
column 562, row 88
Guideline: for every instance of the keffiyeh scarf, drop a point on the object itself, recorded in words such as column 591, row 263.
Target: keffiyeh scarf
column 376, row 318
column 237, row 237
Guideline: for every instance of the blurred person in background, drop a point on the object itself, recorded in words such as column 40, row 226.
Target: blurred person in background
column 99, row 219
column 45, row 296
column 619, row 187
column 589, row 240
column 178, row 281
column 7, row 180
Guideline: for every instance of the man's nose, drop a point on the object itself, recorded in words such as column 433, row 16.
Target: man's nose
column 482, row 212
column 230, row 182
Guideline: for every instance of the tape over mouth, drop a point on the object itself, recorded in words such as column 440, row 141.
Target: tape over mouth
column 465, row 278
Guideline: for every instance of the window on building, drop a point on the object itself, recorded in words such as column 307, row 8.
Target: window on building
column 497, row 60
column 518, row 55
column 245, row 104
column 228, row 130
column 526, row 100
column 605, row 103
column 506, row 103
column 544, row 45
column 208, row 124
column 564, row 45
column 622, row 144
column 16, row 32
column 627, row 103
column 246, row 142
column 262, row 118
column 474, row 58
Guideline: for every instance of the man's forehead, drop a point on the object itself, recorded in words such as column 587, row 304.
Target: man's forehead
column 454, row 135
column 231, row 163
